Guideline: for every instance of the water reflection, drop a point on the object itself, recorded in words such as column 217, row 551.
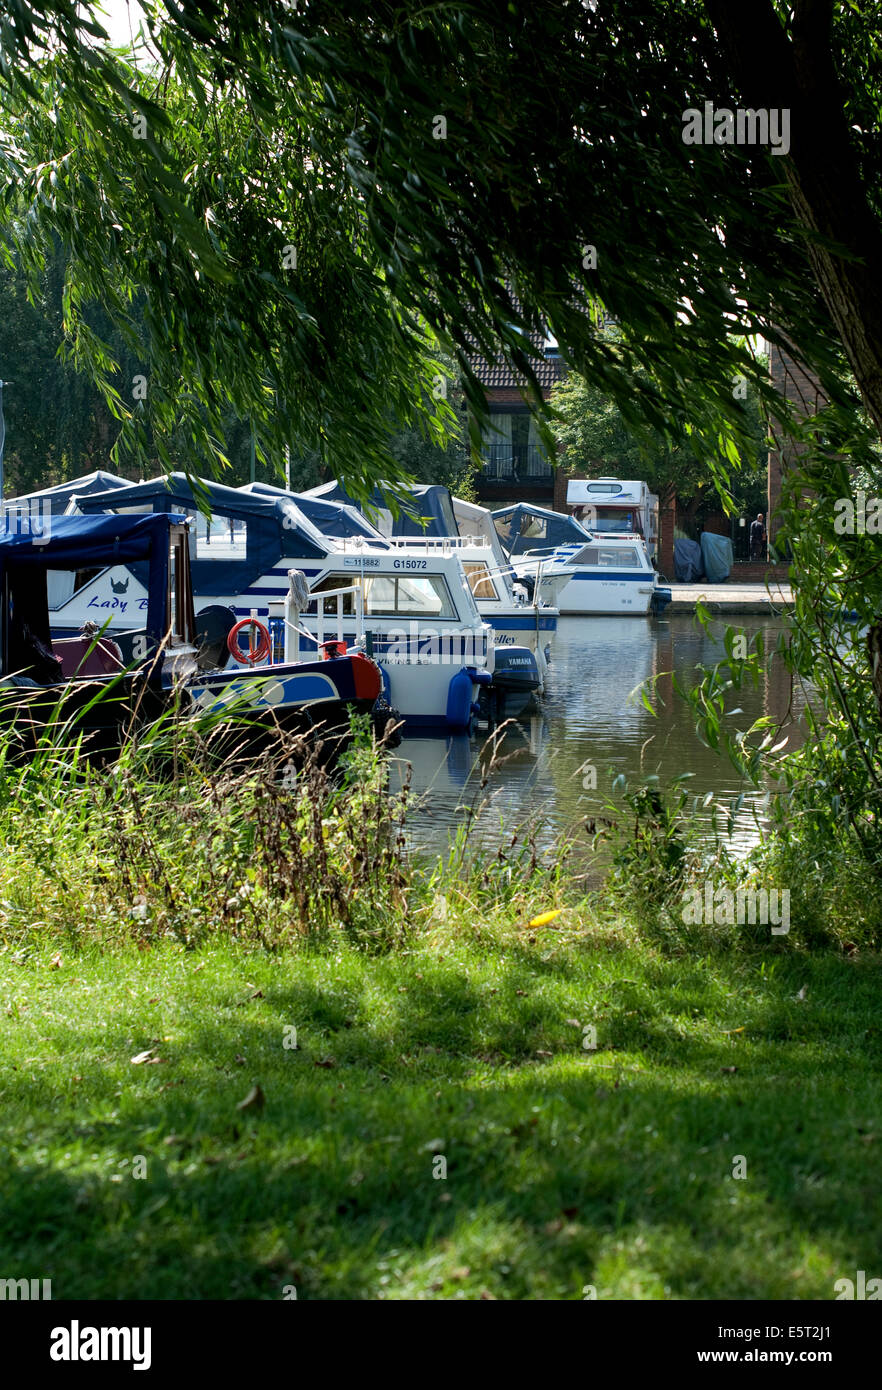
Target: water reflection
column 591, row 719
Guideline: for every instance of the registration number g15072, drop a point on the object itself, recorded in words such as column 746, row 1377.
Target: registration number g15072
column 409, row 564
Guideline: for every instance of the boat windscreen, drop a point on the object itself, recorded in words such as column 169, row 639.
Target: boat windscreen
column 411, row 596
column 617, row 557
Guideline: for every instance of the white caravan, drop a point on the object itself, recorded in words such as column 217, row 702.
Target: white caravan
column 614, row 506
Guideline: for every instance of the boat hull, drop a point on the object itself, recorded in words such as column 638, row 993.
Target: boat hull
column 314, row 697
column 97, row 712
column 590, row 593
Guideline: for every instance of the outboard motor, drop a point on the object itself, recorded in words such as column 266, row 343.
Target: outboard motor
column 515, row 684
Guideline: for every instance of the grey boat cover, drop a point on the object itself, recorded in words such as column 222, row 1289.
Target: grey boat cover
column 688, row 564
column 716, row 552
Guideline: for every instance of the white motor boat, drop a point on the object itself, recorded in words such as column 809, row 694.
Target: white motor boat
column 430, row 520
column 515, row 614
column 607, row 573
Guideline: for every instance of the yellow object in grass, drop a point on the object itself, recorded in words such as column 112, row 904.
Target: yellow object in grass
column 545, row 917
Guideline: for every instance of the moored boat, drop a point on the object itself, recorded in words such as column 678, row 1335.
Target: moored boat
column 607, row 573
column 85, row 678
column 431, row 521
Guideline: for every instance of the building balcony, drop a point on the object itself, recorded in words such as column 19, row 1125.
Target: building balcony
column 516, row 465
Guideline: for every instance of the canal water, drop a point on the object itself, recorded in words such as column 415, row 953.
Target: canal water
column 592, row 717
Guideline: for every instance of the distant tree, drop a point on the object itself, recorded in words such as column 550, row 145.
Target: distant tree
column 228, row 250
column 58, row 423
column 428, row 462
column 593, row 437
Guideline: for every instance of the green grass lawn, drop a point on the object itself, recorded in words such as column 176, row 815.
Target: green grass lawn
column 565, row 1168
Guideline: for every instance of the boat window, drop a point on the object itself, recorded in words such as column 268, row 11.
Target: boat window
column 615, row 519
column 480, row 583
column 336, row 581
column 503, row 525
column 220, row 537
column 389, row 596
column 414, row 596
column 61, row 585
column 380, row 594
column 173, row 614
column 534, row 527
column 384, row 521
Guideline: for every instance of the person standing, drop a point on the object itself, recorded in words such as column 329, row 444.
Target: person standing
column 758, row 538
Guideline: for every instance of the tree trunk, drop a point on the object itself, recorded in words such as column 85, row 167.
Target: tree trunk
column 874, row 651
column 826, row 190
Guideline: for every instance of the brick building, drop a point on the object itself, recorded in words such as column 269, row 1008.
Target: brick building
column 803, row 391
column 517, row 467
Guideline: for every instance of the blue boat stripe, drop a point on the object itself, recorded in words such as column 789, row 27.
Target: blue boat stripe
column 643, row 577
column 499, row 622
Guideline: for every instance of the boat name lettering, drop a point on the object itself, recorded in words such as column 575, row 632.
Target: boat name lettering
column 119, row 604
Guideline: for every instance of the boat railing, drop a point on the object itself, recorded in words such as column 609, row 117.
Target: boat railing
column 299, row 597
column 548, row 553
column 360, row 544
column 445, row 545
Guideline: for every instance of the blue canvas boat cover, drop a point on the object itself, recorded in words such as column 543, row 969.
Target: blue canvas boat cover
column 524, row 527
column 95, row 542
column 425, row 509
column 274, row 525
column 688, row 564
column 58, row 497
column 716, row 552
column 337, row 519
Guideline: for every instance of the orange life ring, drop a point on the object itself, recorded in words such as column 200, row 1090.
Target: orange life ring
column 254, row 654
